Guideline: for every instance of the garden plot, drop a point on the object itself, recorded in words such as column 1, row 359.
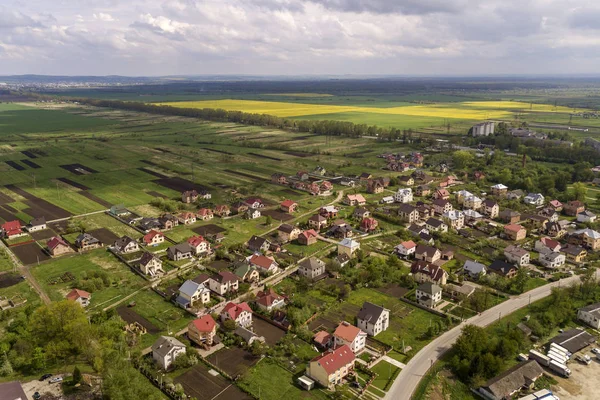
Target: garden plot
column 200, row 384
column 234, row 360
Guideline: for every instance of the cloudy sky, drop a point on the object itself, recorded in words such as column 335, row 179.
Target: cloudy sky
column 293, row 37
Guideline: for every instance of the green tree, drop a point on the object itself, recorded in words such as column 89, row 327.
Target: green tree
column 579, row 191
column 462, row 158
column 76, row 376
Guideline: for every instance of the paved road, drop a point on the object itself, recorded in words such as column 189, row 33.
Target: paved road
column 408, row 379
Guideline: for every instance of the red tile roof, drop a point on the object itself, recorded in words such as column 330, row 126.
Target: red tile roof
column 205, row 211
column 150, row 235
column 12, row 227
column 55, row 241
column 309, row 233
column 206, row 323
column 322, row 337
column 263, row 262
column 409, row 244
column 76, row 294
column 334, row 360
column 234, row 310
column 287, row 203
column 346, row 331
column 195, row 241
column 268, row 297
column 550, row 243
column 513, row 227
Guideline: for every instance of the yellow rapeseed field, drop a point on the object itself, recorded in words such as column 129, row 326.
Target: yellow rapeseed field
column 478, row 110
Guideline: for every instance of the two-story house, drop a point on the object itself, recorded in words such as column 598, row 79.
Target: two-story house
column 240, row 313
column 491, row 208
column 427, row 272
column 223, row 282
column 311, row 268
column 428, row 294
column 406, row 249
column 192, row 294
column 408, row 213
column 151, row 265
column 126, row 245
column 199, row 245
column 517, row 255
column 373, row 319
column 202, row 331
column 348, row 334
column 331, row 367
column 165, row 350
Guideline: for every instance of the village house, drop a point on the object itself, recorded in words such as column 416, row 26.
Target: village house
column 423, row 190
column 246, row 273
column 360, row 213
column 254, row 202
column 288, row 206
column 574, row 207
column 302, row 175
column 317, row 222
column 180, row 251
column 552, row 260
column 499, row 190
column 311, row 268
column 165, row 350
column 534, row 199
column 588, row 237
column 428, row 294
column 387, row 200
column 348, row 247
column 406, row 180
column 308, row 237
column 12, row 229
column 350, row 335
column 408, row 213
column 57, row 246
column 221, row 210
column 150, row 265
column 240, row 313
column 239, row 208
column 474, row 269
column 441, row 206
column 403, row 195
column 491, row 208
column 329, row 212
column 472, row 202
column 265, row 265
column 189, row 196
column 517, row 255
column 424, row 271
column 502, row 268
column 203, row 214
column 279, row 178
column 36, row 224
column 515, row 232
column 427, row 253
column 202, row 331
column 546, row 245
column 586, row 217
column 168, row 222
column 340, row 229
column 442, row 194
column 148, row 224
column 369, row 225
column 287, row 233
column 191, row 293
column 373, row 319
column 590, row 315
column 461, row 196
column 575, row 254
column 447, row 181
column 126, row 245
column 223, row 282
column 454, row 219
column 258, row 244
column 354, row 200
column 435, row 225
column 153, row 238
column 538, row 222
column 556, row 205
column 268, row 300
column 80, row 296
column 509, row 216
column 374, row 187
column 199, row 245
column 86, row 241
column 330, row 368
column 253, row 213
column 510, row 382
column 472, row 217
column 348, row 182
column 406, row 249
column 549, row 214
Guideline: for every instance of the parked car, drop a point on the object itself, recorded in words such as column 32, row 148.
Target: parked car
column 37, row 396
column 45, row 376
column 596, row 350
column 584, row 359
column 56, row 380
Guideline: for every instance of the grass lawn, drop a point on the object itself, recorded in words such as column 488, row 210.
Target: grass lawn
column 273, row 382
column 125, row 281
column 386, row 373
column 102, row 220
column 5, row 262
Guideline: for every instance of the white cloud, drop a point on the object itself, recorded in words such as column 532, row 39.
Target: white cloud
column 138, row 37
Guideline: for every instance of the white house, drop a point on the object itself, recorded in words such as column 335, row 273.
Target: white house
column 473, row 202
column 253, row 213
column 406, row 248
column 586, row 216
column 350, row 335
column 454, row 219
column 36, row 224
column 265, row 265
column 547, row 245
column 552, row 260
column 428, row 294
column 590, row 315
column 373, row 319
column 474, row 269
column 191, row 293
column 151, row 265
column 240, row 313
column 126, row 245
column 223, row 282
column 517, row 255
column 348, row 247
column 311, row 268
column 80, row 296
column 534, row 199
column 403, row 195
column 165, row 350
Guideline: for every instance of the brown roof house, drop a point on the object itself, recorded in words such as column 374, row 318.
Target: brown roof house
column 510, row 382
column 80, row 296
column 311, row 268
column 515, row 232
column 57, row 246
column 308, row 237
column 427, row 272
column 287, row 233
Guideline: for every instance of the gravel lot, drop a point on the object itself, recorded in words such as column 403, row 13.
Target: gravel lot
column 43, row 387
column 583, row 382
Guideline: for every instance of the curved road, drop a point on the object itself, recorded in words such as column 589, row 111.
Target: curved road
column 409, row 377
